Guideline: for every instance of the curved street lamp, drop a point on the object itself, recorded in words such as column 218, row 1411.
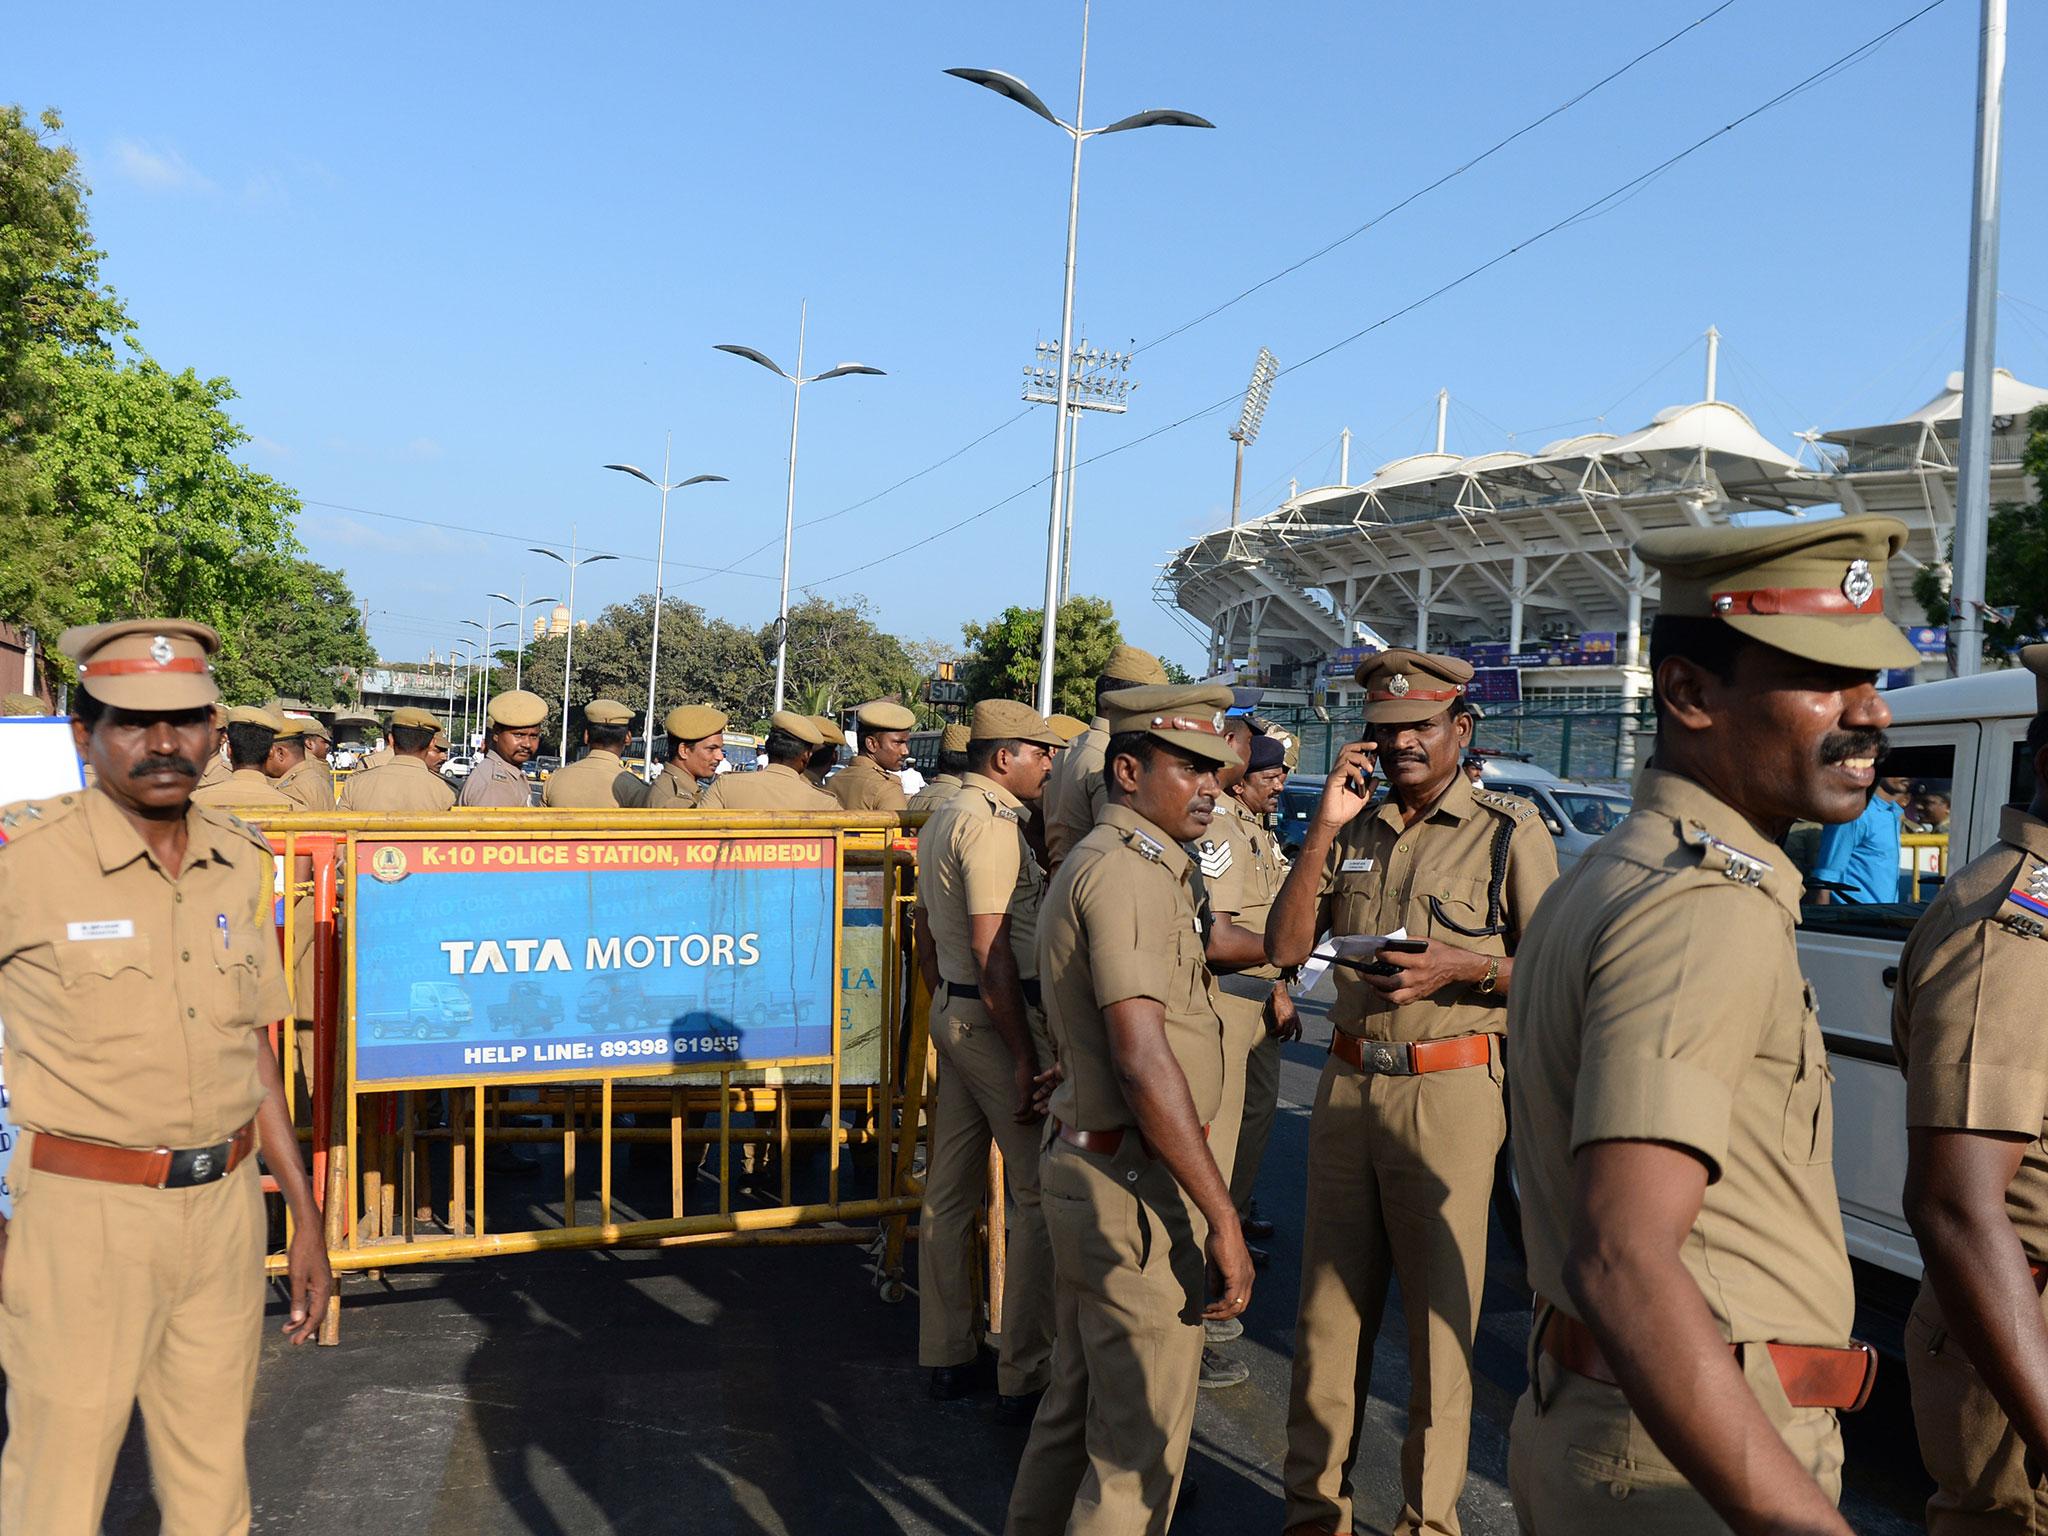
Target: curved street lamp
column 569, row 640
column 797, row 382
column 664, row 485
column 1016, row 90
column 522, row 603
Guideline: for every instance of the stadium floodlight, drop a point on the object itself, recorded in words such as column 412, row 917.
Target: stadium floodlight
column 1097, row 380
column 1264, row 371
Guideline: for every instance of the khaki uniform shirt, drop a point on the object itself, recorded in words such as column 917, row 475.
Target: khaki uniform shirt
column 247, row 789
column 215, row 772
column 936, row 792
column 861, row 786
column 1120, row 921
column 972, row 861
column 1657, row 997
column 1382, row 875
column 402, row 784
column 309, row 786
column 673, row 790
column 136, row 1003
column 775, row 787
column 1243, row 868
column 378, row 758
column 1966, row 1018
column 1075, row 793
column 495, row 782
column 598, row 780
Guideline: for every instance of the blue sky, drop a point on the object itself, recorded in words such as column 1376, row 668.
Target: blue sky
column 455, row 258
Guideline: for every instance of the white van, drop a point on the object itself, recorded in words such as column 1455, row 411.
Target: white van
column 1962, row 738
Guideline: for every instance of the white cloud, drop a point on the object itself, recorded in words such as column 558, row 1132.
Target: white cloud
column 268, row 446
column 422, row 449
column 158, row 169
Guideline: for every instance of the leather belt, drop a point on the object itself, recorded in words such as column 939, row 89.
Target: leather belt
column 1032, row 994
column 1406, row 1058
column 157, row 1168
column 1813, row 1375
column 1104, row 1143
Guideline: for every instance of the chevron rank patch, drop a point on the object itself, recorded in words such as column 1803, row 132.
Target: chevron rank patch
column 1214, row 856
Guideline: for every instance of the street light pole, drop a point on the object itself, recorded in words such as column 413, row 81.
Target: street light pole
column 569, row 639
column 1017, row 91
column 1973, row 457
column 519, row 639
column 797, row 382
column 660, row 554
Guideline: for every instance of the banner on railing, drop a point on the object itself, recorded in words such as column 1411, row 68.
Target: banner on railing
column 517, row 957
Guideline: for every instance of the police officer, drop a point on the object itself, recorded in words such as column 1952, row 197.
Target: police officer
column 1966, row 1019
column 1408, row 1116
column 1133, row 1200
column 1673, row 1131
column 298, row 776
column 252, row 732
column 1075, row 793
column 379, row 755
column 696, row 746
column 780, row 784
column 978, row 892
column 318, row 743
column 598, row 780
column 869, row 782
column 138, row 974
column 952, row 767
column 217, row 767
column 408, row 781
column 1067, row 728
column 512, row 736
column 1244, row 869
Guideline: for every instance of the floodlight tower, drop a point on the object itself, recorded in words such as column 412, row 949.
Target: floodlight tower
column 1099, row 381
column 1264, row 371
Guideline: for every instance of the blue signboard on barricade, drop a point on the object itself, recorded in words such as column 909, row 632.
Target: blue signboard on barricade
column 591, row 955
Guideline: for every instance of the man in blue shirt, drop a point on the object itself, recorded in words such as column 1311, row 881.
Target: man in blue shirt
column 1863, row 855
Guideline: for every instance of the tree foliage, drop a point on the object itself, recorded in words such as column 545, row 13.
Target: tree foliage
column 119, row 491
column 1003, row 654
column 2016, row 568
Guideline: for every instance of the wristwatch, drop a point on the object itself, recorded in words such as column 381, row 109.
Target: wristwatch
column 1486, row 982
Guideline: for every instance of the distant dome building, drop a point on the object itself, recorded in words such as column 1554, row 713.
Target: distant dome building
column 558, row 621
column 540, row 626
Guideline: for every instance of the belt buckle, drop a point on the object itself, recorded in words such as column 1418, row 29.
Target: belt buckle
column 197, row 1165
column 1869, row 1354
column 1388, row 1057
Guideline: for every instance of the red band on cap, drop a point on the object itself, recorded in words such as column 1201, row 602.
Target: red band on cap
column 1426, row 695
column 1181, row 723
column 141, row 664
column 1819, row 601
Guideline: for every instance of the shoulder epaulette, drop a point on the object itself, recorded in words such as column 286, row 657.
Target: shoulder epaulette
column 1514, row 807
column 1742, row 868
column 234, row 823
column 26, row 816
column 1144, row 845
column 2025, row 908
column 1214, row 856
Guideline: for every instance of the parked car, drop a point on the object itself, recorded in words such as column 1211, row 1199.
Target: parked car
column 434, row 1010
column 1576, row 813
column 456, row 768
column 527, row 1009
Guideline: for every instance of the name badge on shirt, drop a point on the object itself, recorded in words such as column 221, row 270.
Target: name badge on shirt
column 110, row 928
column 1354, row 867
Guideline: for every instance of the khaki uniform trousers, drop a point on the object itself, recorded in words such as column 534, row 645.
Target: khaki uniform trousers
column 1261, row 1107
column 112, row 1295
column 1244, row 1023
column 1400, row 1179
column 1111, row 1436
column 1970, row 1447
column 1581, row 1464
column 975, row 1103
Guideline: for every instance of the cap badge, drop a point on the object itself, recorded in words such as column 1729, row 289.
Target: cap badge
column 160, row 651
column 1857, row 583
column 1398, row 685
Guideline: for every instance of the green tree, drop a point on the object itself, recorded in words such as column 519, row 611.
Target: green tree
column 2016, row 568
column 1003, row 654
column 305, row 641
column 837, row 646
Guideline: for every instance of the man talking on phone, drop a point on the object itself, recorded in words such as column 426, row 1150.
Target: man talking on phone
column 1408, row 1115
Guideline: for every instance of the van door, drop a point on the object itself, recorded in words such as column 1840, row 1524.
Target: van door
column 1849, row 949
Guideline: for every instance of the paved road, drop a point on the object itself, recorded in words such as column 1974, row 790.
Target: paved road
column 764, row 1391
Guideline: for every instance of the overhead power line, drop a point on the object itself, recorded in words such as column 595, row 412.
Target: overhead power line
column 1588, row 210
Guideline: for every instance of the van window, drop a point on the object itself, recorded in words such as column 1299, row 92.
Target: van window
column 1876, row 875
column 2021, row 790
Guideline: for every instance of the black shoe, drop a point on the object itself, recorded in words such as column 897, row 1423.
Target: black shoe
column 1260, row 1257
column 949, row 1382
column 1020, row 1409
